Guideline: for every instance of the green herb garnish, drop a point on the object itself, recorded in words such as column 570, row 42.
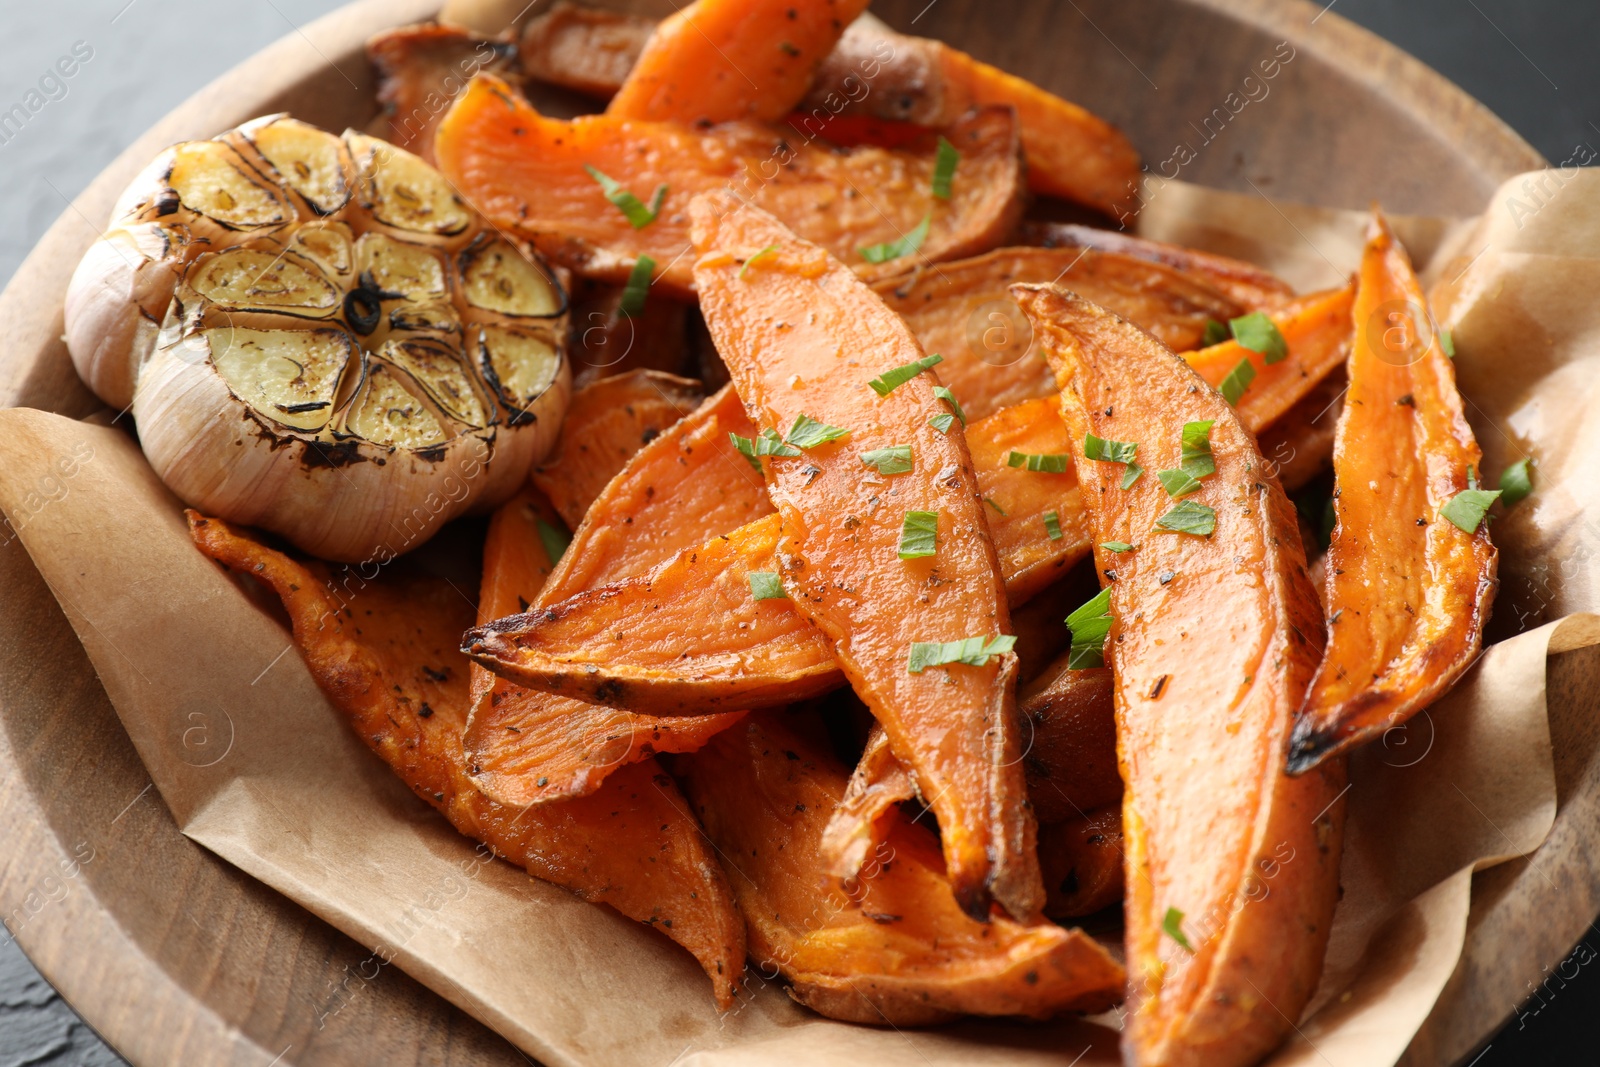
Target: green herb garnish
column 1131, row 475
column 1516, row 481
column 809, row 433
column 1172, row 926
column 1116, row 546
column 1052, row 525
column 1089, row 625
column 555, row 540
column 943, row 393
column 767, row 251
column 631, row 206
column 1197, row 461
column 1467, row 508
column 764, row 585
column 883, row 253
column 990, row 501
column 767, row 443
column 1190, row 518
column 1215, row 333
column 896, row 459
column 1110, row 451
column 638, row 287
column 895, row 377
column 973, row 651
column 942, row 423
column 1447, row 343
column 919, row 534
column 1260, row 334
column 1043, row 463
column 1237, row 381
column 944, row 168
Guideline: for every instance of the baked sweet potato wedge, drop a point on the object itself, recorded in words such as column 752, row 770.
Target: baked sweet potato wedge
column 420, row 69
column 1244, row 283
column 1071, row 748
column 894, row 949
column 1071, row 152
column 606, row 423
column 720, row 60
column 1232, row 865
column 802, row 337
column 1316, row 331
column 1082, row 863
column 387, row 659
column 861, row 820
column 604, row 341
column 586, row 49
column 963, row 312
column 528, row 747
column 623, row 643
column 1299, row 445
column 1411, row 572
column 528, row 174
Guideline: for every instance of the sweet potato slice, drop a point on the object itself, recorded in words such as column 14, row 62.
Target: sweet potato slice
column 621, row 643
column 963, row 311
column 606, row 422
column 528, row 747
column 526, row 173
column 719, row 60
column 1244, row 283
column 1082, row 863
column 896, row 950
column 1071, row 152
column 387, row 659
column 861, row 820
column 1232, row 865
column 586, row 49
column 802, row 337
column 1071, row 752
column 1317, row 332
column 603, row 342
column 1408, row 591
column 421, row 68
column 1299, row 445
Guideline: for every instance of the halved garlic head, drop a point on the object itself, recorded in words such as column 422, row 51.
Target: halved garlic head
column 318, row 337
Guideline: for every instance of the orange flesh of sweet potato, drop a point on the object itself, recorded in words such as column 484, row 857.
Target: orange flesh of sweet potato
column 397, row 676
column 582, row 48
column 1071, row 152
column 420, row 69
column 897, row 950
column 1316, row 329
column 526, row 173
column 1082, row 863
column 622, row 643
column 1071, row 755
column 719, row 60
column 862, row 818
column 1244, row 283
column 528, row 747
column 1408, row 592
column 801, row 334
column 605, row 424
column 1214, row 641
column 962, row 311
column 1299, row 445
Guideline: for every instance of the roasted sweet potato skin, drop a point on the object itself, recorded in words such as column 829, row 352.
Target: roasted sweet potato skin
column 802, row 335
column 387, row 660
column 964, row 312
column 606, row 423
column 420, row 70
column 720, row 60
column 1071, row 751
column 526, row 173
column 1408, row 592
column 588, row 50
column 1082, row 863
column 1214, row 641
column 893, row 949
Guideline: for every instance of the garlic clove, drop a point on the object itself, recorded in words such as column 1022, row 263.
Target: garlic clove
column 402, row 194
column 264, row 277
column 209, row 187
column 497, row 277
column 438, row 369
column 290, row 376
column 312, row 163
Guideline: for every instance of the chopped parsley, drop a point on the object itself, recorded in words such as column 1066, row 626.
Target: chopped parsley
column 942, row 423
column 1190, row 518
column 1110, row 451
column 763, row 254
column 1516, row 481
column 638, row 287
column 1089, row 625
column 809, row 433
column 1197, row 460
column 554, row 539
column 1131, row 475
column 1238, row 380
column 895, row 377
column 919, row 534
column 1052, row 525
column 1467, row 508
column 1178, row 483
column 1260, row 334
column 943, row 393
column 896, row 459
column 1172, row 926
column 1447, row 343
column 944, row 168
column 883, row 253
column 1043, row 463
column 990, row 501
column 767, row 443
column 1116, row 546
column 764, row 585
column 638, row 215
column 973, row 651
column 1215, row 333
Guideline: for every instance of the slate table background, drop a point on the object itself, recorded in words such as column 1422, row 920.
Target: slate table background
column 1530, row 61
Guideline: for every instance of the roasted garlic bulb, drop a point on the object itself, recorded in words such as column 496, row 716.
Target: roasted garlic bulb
column 318, row 337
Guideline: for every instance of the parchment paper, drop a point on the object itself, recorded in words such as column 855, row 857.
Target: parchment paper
column 256, row 766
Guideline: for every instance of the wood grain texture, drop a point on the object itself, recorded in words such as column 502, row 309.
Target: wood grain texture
column 176, row 957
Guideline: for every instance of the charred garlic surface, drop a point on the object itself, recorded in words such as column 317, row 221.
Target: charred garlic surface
column 318, row 337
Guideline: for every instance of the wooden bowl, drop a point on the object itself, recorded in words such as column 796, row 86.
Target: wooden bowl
column 176, row 957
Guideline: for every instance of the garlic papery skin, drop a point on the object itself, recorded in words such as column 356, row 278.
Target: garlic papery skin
column 318, row 338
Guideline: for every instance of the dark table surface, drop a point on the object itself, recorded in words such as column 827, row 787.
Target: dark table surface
column 1530, row 61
